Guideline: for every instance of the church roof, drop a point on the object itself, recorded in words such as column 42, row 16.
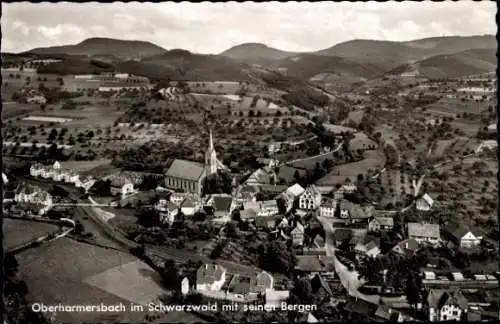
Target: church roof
column 187, row 170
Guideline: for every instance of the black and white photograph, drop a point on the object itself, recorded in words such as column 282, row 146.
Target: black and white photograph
column 249, row 162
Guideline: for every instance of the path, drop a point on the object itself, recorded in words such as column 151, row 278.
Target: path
column 316, row 156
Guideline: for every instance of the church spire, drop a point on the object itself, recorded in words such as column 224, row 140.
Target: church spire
column 211, row 157
column 211, row 143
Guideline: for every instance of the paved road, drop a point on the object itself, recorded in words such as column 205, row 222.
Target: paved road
column 349, row 279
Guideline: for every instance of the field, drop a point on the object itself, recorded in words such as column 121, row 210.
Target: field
column 310, row 163
column 373, row 160
column 452, row 107
column 17, row 232
column 361, row 141
column 54, row 272
column 84, row 166
column 336, row 129
column 356, row 115
column 47, row 119
column 220, row 87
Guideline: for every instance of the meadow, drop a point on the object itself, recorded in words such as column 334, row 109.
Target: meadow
column 17, row 232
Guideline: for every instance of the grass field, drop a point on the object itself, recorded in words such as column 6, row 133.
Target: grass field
column 17, row 232
column 361, row 141
column 356, row 115
column 219, row 87
column 451, row 107
column 336, row 129
column 373, row 160
column 57, row 273
column 84, row 166
column 310, row 163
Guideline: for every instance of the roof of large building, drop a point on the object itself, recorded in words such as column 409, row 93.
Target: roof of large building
column 314, row 263
column 423, row 229
column 118, row 180
column 188, row 170
column 313, row 190
column 459, row 230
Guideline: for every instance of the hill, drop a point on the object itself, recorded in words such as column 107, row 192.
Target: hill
column 76, row 66
column 464, row 63
column 256, row 53
column 388, row 55
column 320, row 68
column 122, row 49
column 183, row 65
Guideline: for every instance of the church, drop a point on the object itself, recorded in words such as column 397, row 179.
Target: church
column 188, row 176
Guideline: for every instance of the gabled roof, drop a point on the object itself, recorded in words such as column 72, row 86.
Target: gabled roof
column 355, row 210
column 118, row 180
column 384, row 221
column 384, row 312
column 428, row 199
column 328, row 203
column 222, row 203
column 299, row 229
column 296, row 190
column 319, row 240
column 314, row 263
column 406, row 245
column 269, row 204
column 459, row 230
column 313, row 190
column 423, row 229
column 183, row 169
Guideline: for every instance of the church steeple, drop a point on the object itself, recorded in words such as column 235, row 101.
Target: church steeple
column 211, row 157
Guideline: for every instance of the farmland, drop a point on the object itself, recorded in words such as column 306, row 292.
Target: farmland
column 54, row 271
column 17, row 232
column 372, row 160
column 452, row 107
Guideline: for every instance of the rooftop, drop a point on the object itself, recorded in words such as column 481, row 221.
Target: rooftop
column 423, row 230
column 188, row 170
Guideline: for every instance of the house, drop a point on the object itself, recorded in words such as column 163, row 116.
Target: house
column 36, row 100
column 32, row 196
column 249, row 288
column 444, row 305
column 310, row 198
column 354, row 213
column 290, row 195
column 406, row 247
column 259, row 177
column 262, row 208
column 465, row 237
column 178, row 197
column 377, row 224
column 71, row 177
column 342, row 235
column 168, row 211
column 248, row 215
column 222, row 205
column 36, row 169
column 369, row 247
column 319, row 242
column 386, row 313
column 185, row 175
column 274, row 298
column 310, row 265
column 265, row 223
column 246, row 193
column 424, row 203
column 424, row 232
column 328, row 207
column 185, row 286
column 210, row 277
column 298, row 234
column 268, row 208
column 307, row 318
column 120, row 184
column 190, row 206
column 283, row 224
column 347, row 188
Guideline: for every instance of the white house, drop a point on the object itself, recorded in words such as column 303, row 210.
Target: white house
column 444, row 305
column 28, row 194
column 262, row 208
column 185, row 286
column 177, row 198
column 463, row 236
column 298, row 234
column 328, row 207
column 189, row 206
column 36, row 100
column 37, row 169
column 274, row 298
column 424, row 203
column 424, row 232
column 210, row 277
column 120, row 185
column 380, row 223
column 71, row 177
column 168, row 211
column 310, row 198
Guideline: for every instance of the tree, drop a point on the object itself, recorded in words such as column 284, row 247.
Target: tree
column 170, row 275
column 412, row 291
column 79, row 228
column 303, row 291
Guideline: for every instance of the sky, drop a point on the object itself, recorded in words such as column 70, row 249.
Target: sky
column 214, row 27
